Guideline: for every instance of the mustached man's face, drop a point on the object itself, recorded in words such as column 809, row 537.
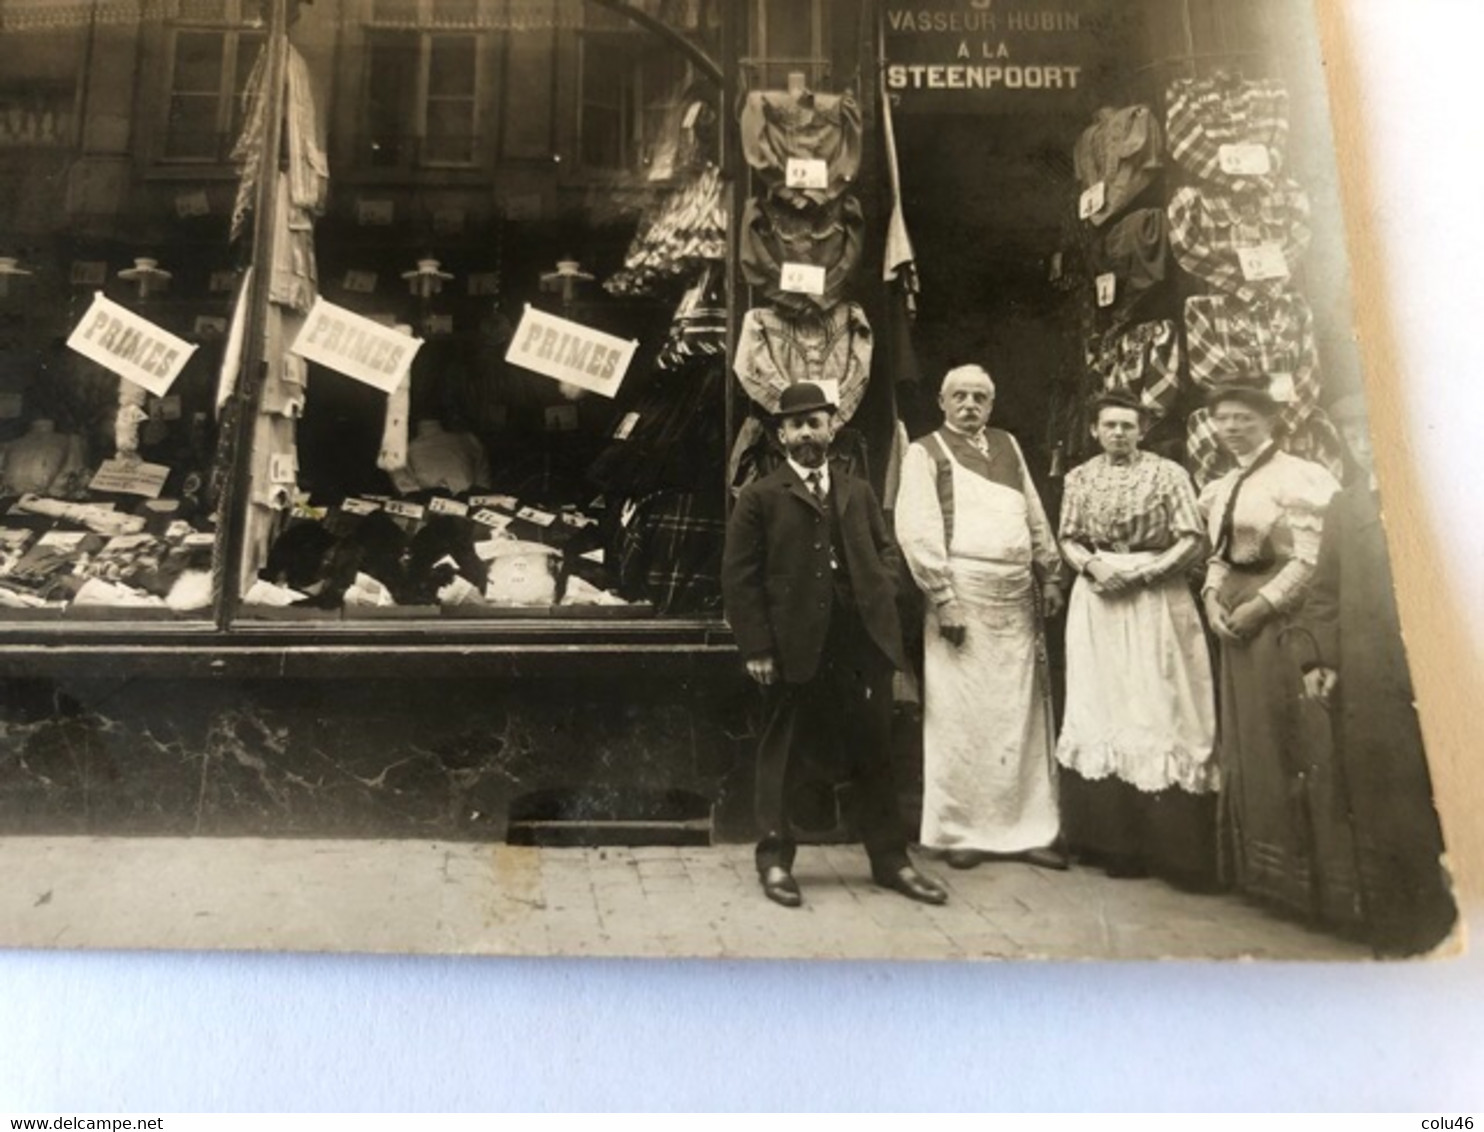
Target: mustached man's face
column 806, row 437
column 966, row 403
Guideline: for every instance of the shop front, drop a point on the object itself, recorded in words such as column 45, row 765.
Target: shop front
column 375, row 377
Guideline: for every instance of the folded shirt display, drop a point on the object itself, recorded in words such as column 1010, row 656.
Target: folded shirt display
column 1143, row 362
column 1206, row 116
column 777, row 126
column 1122, row 151
column 774, row 235
column 1211, row 232
column 833, row 349
column 1229, row 340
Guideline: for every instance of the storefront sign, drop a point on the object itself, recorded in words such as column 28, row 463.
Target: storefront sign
column 356, row 346
column 568, row 351
column 132, row 347
column 130, row 477
column 984, row 56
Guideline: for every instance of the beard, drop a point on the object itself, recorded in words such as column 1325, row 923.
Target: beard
column 809, row 453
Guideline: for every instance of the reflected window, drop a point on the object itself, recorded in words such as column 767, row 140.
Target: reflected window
column 210, row 67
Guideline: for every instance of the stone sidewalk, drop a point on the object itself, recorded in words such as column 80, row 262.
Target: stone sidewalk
column 462, row 898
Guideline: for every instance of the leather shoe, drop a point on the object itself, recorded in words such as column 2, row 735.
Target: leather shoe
column 780, row 887
column 912, row 884
column 963, row 858
column 1048, row 858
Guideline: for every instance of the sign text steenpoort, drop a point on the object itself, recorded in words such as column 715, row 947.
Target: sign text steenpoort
column 988, row 56
column 356, row 346
column 132, row 347
column 570, row 352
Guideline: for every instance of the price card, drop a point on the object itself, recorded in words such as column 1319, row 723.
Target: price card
column 360, row 507
column 1281, row 388
column 593, row 556
column 439, row 324
column 209, row 326
column 200, row 538
column 484, row 283
column 369, row 212
column 1092, row 201
column 806, row 173
column 561, row 418
column 1107, row 285
column 532, row 515
column 507, row 502
column 441, row 506
column 492, row 519
column 405, row 510
column 1245, row 160
column 130, row 477
column 283, row 468
column 359, row 282
column 801, row 279
column 192, row 204
column 625, row 427
column 222, row 281
column 1263, row 263
column 88, row 273
column 581, row 522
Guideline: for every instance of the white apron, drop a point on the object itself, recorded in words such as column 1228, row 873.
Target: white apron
column 988, row 774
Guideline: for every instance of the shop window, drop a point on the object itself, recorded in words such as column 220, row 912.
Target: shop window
column 424, row 85
column 209, row 72
column 632, row 95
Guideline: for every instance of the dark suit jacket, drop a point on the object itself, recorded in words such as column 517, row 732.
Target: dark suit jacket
column 776, row 581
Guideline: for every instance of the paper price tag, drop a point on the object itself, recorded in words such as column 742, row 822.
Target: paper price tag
column 221, row 282
column 200, row 538
column 625, row 427
column 369, row 212
column 192, row 204
column 88, row 273
column 130, row 477
column 532, row 515
column 1281, row 388
column 484, row 283
column 209, row 326
column 801, row 279
column 359, row 282
column 439, row 324
column 405, row 510
column 593, row 556
column 561, row 418
column 1245, row 160
column 806, row 173
column 360, row 507
column 1263, row 263
column 1107, row 286
column 492, row 519
column 506, row 502
column 282, row 468
column 1092, row 201
column 441, row 506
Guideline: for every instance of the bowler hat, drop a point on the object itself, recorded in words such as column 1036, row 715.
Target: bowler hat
column 1254, row 392
column 801, row 398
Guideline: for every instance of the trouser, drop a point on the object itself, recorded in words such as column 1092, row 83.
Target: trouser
column 847, row 702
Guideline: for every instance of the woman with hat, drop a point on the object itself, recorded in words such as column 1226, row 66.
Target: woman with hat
column 1140, row 722
column 1264, row 519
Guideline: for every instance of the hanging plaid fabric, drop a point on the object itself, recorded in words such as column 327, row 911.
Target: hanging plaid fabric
column 1122, row 152
column 1206, row 115
column 1273, row 338
column 1210, row 231
column 1143, row 362
column 779, row 125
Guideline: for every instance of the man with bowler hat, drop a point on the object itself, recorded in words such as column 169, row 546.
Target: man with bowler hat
column 809, row 584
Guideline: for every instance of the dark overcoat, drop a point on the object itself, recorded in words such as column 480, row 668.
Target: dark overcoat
column 777, row 585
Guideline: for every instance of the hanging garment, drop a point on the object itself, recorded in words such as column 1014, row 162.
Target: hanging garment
column 779, row 125
column 1206, row 115
column 699, row 328
column 689, row 227
column 1143, row 362
column 672, row 436
column 307, row 168
column 1209, row 231
column 1122, row 150
column 774, row 234
column 670, row 553
column 1273, row 338
column 1136, row 251
column 775, row 351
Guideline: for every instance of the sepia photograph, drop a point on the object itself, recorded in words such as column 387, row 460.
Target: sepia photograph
column 807, row 479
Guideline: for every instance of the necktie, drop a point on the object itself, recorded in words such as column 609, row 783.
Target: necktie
column 815, row 480
column 1227, row 531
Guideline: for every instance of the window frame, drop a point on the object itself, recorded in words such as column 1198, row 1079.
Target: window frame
column 234, row 27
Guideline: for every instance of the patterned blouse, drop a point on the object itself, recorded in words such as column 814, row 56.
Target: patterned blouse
column 1147, row 504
